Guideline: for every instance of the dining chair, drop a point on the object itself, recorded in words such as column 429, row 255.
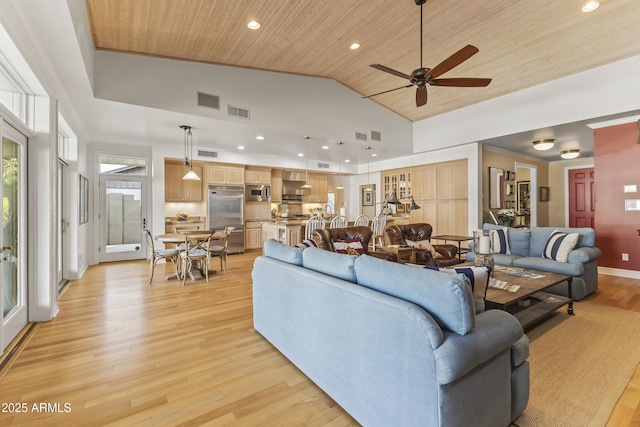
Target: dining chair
column 361, row 221
column 339, row 221
column 156, row 255
column 378, row 226
column 313, row 223
column 220, row 248
column 183, row 228
column 195, row 254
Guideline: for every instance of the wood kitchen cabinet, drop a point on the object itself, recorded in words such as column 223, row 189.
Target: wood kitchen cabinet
column 398, row 180
column 219, row 174
column 178, row 190
column 319, row 192
column 276, row 186
column 253, row 235
column 257, row 176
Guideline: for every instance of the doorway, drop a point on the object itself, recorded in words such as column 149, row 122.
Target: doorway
column 527, row 175
column 123, row 208
column 13, row 240
column 581, row 197
column 62, row 232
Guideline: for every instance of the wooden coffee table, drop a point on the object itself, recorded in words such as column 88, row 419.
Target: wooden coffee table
column 537, row 308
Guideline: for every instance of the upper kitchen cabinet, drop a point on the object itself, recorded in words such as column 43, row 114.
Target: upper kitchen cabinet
column 398, row 180
column 319, row 189
column 257, row 176
column 178, row 190
column 218, row 174
column 276, row 185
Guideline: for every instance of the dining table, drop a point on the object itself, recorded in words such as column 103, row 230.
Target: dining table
column 196, row 237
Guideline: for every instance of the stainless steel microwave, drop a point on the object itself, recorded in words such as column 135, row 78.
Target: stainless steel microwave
column 257, row 193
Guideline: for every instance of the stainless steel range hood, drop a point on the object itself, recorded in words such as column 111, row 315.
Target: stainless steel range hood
column 292, row 191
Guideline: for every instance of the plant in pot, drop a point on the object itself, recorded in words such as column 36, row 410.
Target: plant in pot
column 506, row 217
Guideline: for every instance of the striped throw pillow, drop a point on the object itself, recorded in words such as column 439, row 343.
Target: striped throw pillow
column 559, row 245
column 500, row 241
column 307, row 244
column 478, row 279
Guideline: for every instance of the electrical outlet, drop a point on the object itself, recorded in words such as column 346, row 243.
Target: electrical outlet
column 625, row 257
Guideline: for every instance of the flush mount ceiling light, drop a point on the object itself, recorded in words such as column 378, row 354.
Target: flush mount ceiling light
column 590, row 6
column 306, row 182
column 569, row 154
column 188, row 147
column 543, row 144
column 253, row 25
column 339, row 187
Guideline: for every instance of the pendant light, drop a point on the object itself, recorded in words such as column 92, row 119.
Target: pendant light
column 339, row 187
column 368, row 169
column 306, row 182
column 188, row 148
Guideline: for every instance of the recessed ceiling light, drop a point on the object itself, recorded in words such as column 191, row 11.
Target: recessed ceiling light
column 260, row 137
column 590, row 6
column 300, row 154
column 374, row 155
column 254, row 25
column 347, row 161
column 354, row 46
column 240, row 147
column 543, row 144
column 569, row 154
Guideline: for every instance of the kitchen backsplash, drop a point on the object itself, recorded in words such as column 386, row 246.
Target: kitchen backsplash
column 191, row 209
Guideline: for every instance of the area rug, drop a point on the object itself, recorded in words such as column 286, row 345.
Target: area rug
column 580, row 365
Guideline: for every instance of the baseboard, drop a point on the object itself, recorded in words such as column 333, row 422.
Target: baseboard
column 619, row 272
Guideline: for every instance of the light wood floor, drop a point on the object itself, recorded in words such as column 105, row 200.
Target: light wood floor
column 122, row 352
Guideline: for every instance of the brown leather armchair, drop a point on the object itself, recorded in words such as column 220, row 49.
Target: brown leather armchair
column 324, row 238
column 399, row 234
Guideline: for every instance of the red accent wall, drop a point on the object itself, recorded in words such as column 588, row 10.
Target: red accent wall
column 616, row 156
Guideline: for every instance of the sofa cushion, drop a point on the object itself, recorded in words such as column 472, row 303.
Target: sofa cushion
column 478, row 280
column 348, row 246
column 330, row 263
column 500, row 240
column 545, row 264
column 559, row 245
column 540, row 235
column 519, row 239
column 446, row 297
column 289, row 254
column 308, row 243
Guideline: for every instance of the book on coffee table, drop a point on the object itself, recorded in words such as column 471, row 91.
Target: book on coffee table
column 502, row 285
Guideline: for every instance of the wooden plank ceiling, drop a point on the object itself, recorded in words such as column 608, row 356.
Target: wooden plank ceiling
column 522, row 43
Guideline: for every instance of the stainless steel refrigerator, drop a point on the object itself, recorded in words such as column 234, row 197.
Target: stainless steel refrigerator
column 226, row 209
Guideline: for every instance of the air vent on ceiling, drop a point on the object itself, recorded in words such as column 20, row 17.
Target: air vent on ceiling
column 361, row 136
column 376, row 136
column 238, row 112
column 323, row 165
column 210, row 101
column 203, row 153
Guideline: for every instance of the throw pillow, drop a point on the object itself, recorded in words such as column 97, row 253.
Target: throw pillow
column 424, row 244
column 349, row 246
column 478, row 279
column 307, row 244
column 500, row 241
column 559, row 245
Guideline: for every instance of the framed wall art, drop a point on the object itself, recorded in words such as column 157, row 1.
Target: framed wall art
column 367, row 197
column 544, row 194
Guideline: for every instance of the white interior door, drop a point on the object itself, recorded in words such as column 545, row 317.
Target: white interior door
column 62, row 234
column 13, row 237
column 123, row 215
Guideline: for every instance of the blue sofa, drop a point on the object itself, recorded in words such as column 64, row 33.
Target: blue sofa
column 526, row 251
column 394, row 345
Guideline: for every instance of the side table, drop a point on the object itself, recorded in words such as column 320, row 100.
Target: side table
column 454, row 238
column 401, row 252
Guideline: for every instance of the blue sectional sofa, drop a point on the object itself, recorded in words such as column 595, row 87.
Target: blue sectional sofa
column 394, row 345
column 526, row 251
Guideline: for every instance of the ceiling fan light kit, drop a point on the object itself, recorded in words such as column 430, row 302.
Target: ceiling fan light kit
column 543, row 144
column 569, row 154
column 422, row 76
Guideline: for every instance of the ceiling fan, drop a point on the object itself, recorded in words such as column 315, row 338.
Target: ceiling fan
column 422, row 77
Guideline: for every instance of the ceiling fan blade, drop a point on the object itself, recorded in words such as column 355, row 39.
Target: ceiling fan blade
column 461, row 82
column 454, row 60
column 390, row 90
column 390, row 71
column 421, row 96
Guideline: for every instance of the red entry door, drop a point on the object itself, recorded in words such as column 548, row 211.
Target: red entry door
column 581, row 198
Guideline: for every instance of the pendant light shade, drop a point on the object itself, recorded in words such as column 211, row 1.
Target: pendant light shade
column 413, row 206
column 188, row 150
column 339, row 187
column 306, row 182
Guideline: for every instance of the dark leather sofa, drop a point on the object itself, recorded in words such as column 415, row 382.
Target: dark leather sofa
column 399, row 234
column 324, row 238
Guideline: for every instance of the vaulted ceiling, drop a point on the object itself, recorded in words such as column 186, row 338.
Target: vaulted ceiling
column 522, row 43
